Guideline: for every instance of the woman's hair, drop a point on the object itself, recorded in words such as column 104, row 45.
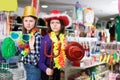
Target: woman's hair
column 62, row 29
column 41, row 22
column 24, row 31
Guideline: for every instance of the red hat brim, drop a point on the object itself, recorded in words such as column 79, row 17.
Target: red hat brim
column 64, row 17
column 74, row 51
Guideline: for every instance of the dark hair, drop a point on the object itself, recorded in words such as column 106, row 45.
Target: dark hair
column 18, row 19
column 62, row 30
column 41, row 22
column 24, row 31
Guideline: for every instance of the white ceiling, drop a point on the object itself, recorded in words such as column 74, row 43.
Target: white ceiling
column 102, row 8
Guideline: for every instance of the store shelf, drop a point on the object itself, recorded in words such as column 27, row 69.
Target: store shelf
column 104, row 72
column 42, row 26
column 85, row 67
column 69, row 70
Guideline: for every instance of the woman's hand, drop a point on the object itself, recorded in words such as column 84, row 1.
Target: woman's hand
column 31, row 42
column 49, row 71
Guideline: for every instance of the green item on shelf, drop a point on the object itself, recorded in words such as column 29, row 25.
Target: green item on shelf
column 117, row 24
column 115, row 56
column 92, row 77
column 8, row 48
column 118, row 58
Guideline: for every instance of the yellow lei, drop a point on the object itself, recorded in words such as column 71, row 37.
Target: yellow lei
column 60, row 59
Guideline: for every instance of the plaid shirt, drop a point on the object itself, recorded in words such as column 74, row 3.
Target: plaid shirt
column 33, row 57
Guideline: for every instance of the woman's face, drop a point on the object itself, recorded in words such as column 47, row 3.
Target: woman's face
column 55, row 25
column 29, row 23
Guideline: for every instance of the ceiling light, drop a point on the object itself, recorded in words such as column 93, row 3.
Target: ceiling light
column 44, row 6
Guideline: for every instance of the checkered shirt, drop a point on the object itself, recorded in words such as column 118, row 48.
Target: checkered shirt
column 33, row 57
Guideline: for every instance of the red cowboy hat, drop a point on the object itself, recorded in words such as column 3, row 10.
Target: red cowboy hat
column 74, row 51
column 55, row 14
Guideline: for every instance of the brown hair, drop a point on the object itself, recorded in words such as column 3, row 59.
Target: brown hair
column 24, row 31
column 62, row 30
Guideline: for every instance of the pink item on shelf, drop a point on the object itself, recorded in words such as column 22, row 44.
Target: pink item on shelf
column 112, row 76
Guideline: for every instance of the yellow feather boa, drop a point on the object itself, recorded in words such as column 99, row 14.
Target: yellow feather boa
column 60, row 59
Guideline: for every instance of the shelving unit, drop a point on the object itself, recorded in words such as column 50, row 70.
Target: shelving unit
column 85, row 67
column 104, row 72
column 73, row 70
column 69, row 70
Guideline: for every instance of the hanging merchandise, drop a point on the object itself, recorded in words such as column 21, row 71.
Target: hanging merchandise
column 2, row 20
column 119, row 6
column 76, row 30
column 111, row 27
column 88, row 17
column 7, row 6
column 79, row 18
column 79, row 13
column 117, row 23
column 8, row 48
column 79, row 30
column 35, row 3
column 93, row 34
column 107, row 38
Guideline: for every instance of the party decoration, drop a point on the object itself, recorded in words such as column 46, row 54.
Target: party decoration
column 101, row 58
column 18, row 36
column 58, row 49
column 108, row 58
column 8, row 48
column 7, row 5
column 88, row 17
column 117, row 23
column 29, row 11
column 56, row 14
column 15, row 35
column 35, row 3
column 74, row 52
column 24, row 42
column 79, row 13
column 119, row 6
column 26, row 37
column 111, row 60
column 105, row 58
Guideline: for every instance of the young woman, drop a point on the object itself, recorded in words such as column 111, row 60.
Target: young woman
column 30, row 44
column 52, row 53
